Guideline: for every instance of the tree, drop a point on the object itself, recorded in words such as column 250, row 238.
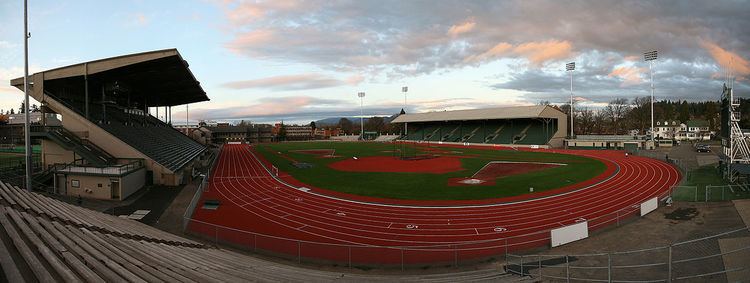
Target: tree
column 684, row 112
column 12, row 111
column 21, row 109
column 282, row 132
column 543, row 102
column 615, row 112
column 313, row 126
column 375, row 124
column 584, row 121
column 345, row 125
column 640, row 114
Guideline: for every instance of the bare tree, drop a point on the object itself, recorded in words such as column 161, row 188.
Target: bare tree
column 615, row 112
column 585, row 121
column 639, row 116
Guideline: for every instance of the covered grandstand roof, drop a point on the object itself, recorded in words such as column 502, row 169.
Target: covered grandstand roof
column 161, row 77
column 515, row 112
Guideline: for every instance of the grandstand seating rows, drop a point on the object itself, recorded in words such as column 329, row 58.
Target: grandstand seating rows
column 514, row 131
column 147, row 134
column 42, row 239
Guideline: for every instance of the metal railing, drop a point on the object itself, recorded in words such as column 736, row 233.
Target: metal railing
column 199, row 192
column 116, row 169
column 394, row 256
column 697, row 259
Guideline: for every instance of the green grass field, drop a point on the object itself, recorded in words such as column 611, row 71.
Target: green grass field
column 424, row 186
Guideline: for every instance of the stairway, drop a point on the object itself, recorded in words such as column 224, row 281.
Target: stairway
column 66, row 139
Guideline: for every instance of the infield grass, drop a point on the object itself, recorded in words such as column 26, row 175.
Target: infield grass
column 425, row 186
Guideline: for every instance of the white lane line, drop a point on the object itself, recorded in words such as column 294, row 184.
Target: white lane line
column 389, row 225
column 475, row 230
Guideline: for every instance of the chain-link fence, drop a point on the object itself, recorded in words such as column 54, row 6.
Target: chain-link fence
column 707, row 259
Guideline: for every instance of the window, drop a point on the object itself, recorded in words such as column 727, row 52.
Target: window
column 75, row 183
column 99, row 185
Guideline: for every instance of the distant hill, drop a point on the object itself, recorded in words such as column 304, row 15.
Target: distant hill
column 355, row 120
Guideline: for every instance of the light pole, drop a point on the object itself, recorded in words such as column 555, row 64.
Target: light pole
column 26, row 123
column 650, row 57
column 404, row 90
column 570, row 67
column 361, row 96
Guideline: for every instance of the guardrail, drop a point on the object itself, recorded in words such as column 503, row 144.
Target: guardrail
column 697, row 259
column 394, row 256
column 199, row 192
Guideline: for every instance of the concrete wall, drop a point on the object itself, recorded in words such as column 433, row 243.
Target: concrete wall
column 132, row 182
column 89, row 186
column 53, row 153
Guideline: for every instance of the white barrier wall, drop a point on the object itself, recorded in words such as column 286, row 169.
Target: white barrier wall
column 649, row 206
column 570, row 233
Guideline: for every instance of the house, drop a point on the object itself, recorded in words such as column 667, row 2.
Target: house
column 694, row 130
column 666, row 129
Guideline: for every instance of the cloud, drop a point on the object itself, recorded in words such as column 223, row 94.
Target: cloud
column 138, row 19
column 728, row 60
column 465, row 27
column 294, row 82
column 536, row 53
column 629, row 75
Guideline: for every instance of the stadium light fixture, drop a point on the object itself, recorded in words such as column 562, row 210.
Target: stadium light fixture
column 570, row 67
column 26, row 123
column 404, row 90
column 361, row 96
column 650, row 57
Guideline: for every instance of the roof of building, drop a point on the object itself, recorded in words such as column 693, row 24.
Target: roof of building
column 515, row 112
column 697, row 123
column 160, row 77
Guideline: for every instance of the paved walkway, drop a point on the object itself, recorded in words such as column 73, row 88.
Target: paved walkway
column 171, row 218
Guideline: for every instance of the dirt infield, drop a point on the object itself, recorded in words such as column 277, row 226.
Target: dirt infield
column 437, row 165
column 496, row 169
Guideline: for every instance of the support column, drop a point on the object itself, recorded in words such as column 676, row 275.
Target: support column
column 86, row 88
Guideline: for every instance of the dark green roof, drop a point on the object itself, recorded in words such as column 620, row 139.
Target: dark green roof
column 697, row 123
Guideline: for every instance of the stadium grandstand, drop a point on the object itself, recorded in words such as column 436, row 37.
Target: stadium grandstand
column 108, row 144
column 540, row 125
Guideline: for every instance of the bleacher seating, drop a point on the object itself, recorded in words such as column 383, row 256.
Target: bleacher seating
column 45, row 240
column 512, row 131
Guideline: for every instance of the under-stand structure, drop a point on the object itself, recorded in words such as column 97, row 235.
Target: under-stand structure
column 736, row 158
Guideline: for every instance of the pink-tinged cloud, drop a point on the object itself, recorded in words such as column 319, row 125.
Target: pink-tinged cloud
column 632, row 58
column 499, row 50
column 536, row 53
column 294, row 82
column 539, row 53
column 462, row 28
column 628, row 75
column 728, row 60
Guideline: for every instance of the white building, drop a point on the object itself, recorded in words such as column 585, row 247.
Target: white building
column 667, row 129
column 693, row 130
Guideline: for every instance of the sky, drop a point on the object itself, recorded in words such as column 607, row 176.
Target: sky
column 299, row 61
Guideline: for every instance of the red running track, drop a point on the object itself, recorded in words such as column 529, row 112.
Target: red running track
column 261, row 212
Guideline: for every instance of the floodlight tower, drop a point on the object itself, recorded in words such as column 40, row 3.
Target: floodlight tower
column 650, row 57
column 361, row 96
column 570, row 67
column 404, row 90
column 26, row 123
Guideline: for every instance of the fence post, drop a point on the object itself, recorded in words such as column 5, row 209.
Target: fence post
column 696, row 193
column 350, row 257
column 609, row 267
column 402, row 259
column 299, row 252
column 567, row 269
column 708, row 187
column 722, row 192
column 455, row 256
column 216, row 235
column 669, row 265
column 539, row 265
column 506, row 249
column 255, row 242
